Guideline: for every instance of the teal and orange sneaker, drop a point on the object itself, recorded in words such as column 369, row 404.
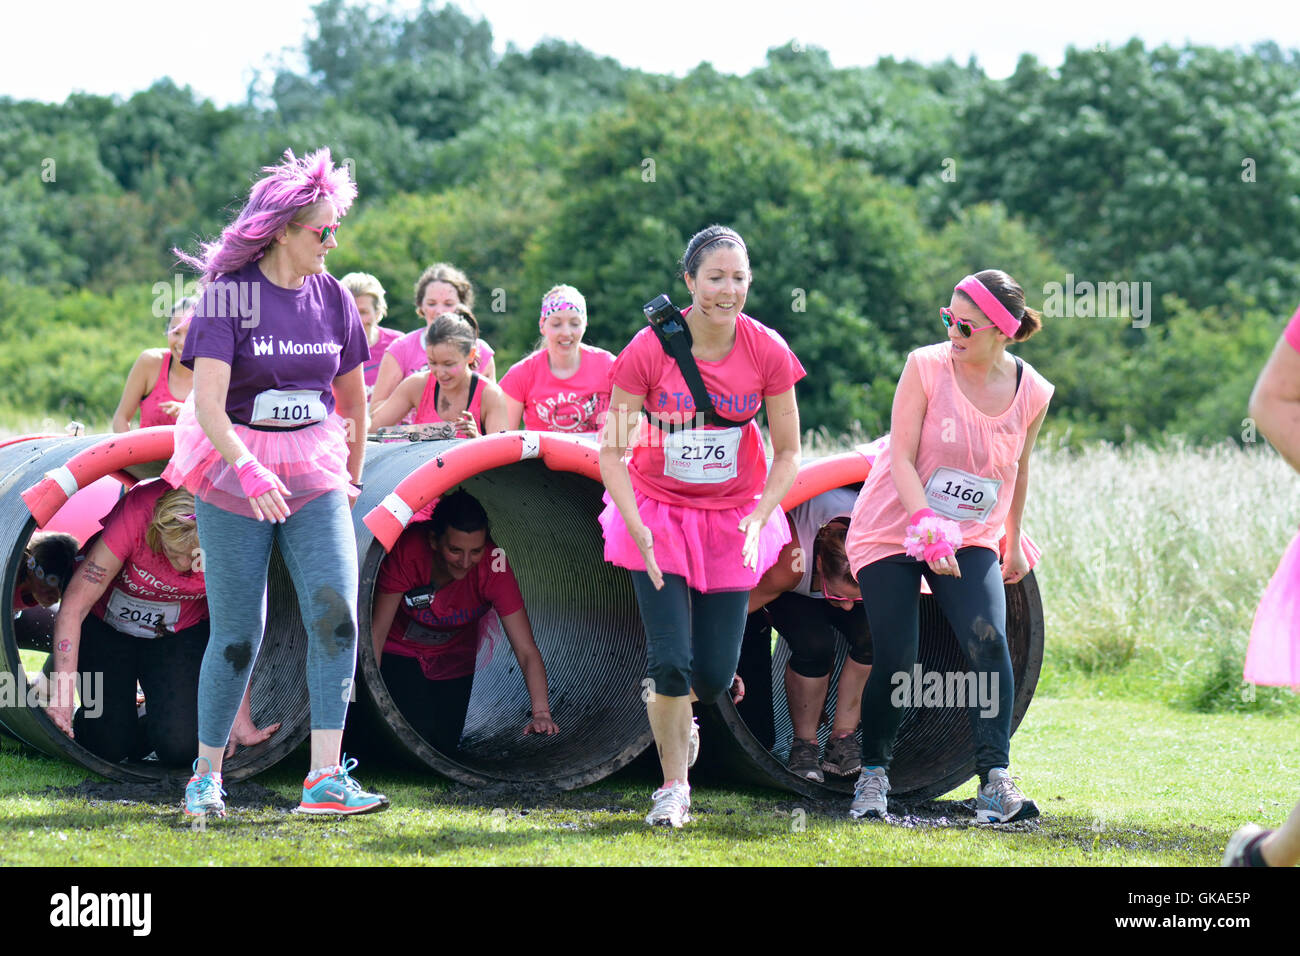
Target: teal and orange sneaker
column 330, row 790
column 203, row 793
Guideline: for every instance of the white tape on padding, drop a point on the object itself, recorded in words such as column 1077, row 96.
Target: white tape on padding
column 65, row 479
column 532, row 446
column 398, row 508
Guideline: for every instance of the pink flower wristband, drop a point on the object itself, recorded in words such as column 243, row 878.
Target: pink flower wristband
column 930, row 537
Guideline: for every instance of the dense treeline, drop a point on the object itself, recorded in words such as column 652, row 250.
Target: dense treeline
column 1171, row 174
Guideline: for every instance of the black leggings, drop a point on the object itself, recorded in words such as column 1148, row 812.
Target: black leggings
column 435, row 708
column 692, row 638
column 167, row 668
column 809, row 626
column 975, row 606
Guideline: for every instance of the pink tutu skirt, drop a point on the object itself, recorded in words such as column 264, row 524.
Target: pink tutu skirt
column 310, row 461
column 702, row 546
column 1273, row 657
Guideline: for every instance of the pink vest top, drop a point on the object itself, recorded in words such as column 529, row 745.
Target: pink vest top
column 150, row 413
column 427, row 410
column 954, row 435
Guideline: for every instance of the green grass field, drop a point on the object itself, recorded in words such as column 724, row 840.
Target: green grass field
column 1142, row 746
column 1120, row 783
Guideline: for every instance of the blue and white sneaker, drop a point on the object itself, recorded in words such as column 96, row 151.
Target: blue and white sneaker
column 1000, row 800
column 870, row 795
column 203, row 793
column 331, row 790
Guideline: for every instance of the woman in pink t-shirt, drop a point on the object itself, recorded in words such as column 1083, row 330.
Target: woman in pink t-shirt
column 564, row 385
column 137, row 611
column 695, row 513
column 368, row 293
column 440, row 288
column 1273, row 656
column 966, row 414
column 444, row 590
column 158, row 383
column 447, row 391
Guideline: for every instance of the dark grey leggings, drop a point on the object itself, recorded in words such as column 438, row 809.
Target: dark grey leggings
column 692, row 638
column 975, row 606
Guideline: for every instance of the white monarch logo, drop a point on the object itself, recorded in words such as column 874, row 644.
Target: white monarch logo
column 262, row 346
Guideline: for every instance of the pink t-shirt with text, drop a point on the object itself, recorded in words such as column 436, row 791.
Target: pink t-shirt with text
column 147, row 586
column 574, row 404
column 759, row 364
column 1292, row 332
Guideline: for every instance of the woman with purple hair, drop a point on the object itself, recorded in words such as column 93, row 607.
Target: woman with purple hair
column 271, row 437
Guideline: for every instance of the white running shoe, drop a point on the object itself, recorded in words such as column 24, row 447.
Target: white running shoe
column 693, row 748
column 1000, row 800
column 672, row 806
column 869, row 795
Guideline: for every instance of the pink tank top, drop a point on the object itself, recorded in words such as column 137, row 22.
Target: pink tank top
column 150, row 413
column 427, row 410
column 962, row 456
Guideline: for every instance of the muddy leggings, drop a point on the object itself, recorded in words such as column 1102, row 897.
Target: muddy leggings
column 976, row 608
column 320, row 551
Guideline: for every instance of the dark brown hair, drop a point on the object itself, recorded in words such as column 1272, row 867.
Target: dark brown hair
column 1007, row 291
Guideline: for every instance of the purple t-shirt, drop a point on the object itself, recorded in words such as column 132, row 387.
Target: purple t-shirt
column 273, row 338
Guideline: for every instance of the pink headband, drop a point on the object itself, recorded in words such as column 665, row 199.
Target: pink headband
column 567, row 298
column 989, row 305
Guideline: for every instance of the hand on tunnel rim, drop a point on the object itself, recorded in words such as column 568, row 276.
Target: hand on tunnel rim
column 541, row 724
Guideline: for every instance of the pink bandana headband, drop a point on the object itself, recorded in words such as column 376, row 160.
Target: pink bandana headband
column 988, row 304
column 562, row 298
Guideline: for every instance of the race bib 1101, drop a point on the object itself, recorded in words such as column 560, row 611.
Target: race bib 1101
column 283, row 408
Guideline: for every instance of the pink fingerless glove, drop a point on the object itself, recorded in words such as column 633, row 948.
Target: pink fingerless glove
column 930, row 537
column 256, row 479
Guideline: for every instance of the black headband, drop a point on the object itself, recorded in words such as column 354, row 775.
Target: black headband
column 730, row 236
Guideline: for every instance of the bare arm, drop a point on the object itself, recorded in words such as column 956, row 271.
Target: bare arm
column 381, row 621
column 905, row 438
column 780, row 577
column 514, row 413
column 143, row 373
column 623, row 411
column 783, row 425
column 519, row 631
column 495, row 416
column 389, row 377
column 87, row 586
column 211, row 384
column 392, row 410
column 1016, row 565
column 1275, row 402
column 350, row 403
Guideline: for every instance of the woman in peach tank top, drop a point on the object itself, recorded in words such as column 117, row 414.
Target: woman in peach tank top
column 966, row 414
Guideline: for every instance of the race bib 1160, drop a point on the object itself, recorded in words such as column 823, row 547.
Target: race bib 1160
column 960, row 495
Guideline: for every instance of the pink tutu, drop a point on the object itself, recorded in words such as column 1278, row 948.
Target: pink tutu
column 702, row 546
column 1273, row 657
column 310, row 461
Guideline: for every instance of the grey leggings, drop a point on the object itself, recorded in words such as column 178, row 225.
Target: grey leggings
column 692, row 638
column 319, row 549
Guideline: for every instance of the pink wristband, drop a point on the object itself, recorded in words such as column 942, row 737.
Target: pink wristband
column 255, row 479
column 919, row 514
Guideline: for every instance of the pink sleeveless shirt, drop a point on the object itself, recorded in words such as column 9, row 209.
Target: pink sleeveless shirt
column 150, row 413
column 427, row 410
column 962, row 454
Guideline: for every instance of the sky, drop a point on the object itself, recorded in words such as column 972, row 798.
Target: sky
column 218, row 47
